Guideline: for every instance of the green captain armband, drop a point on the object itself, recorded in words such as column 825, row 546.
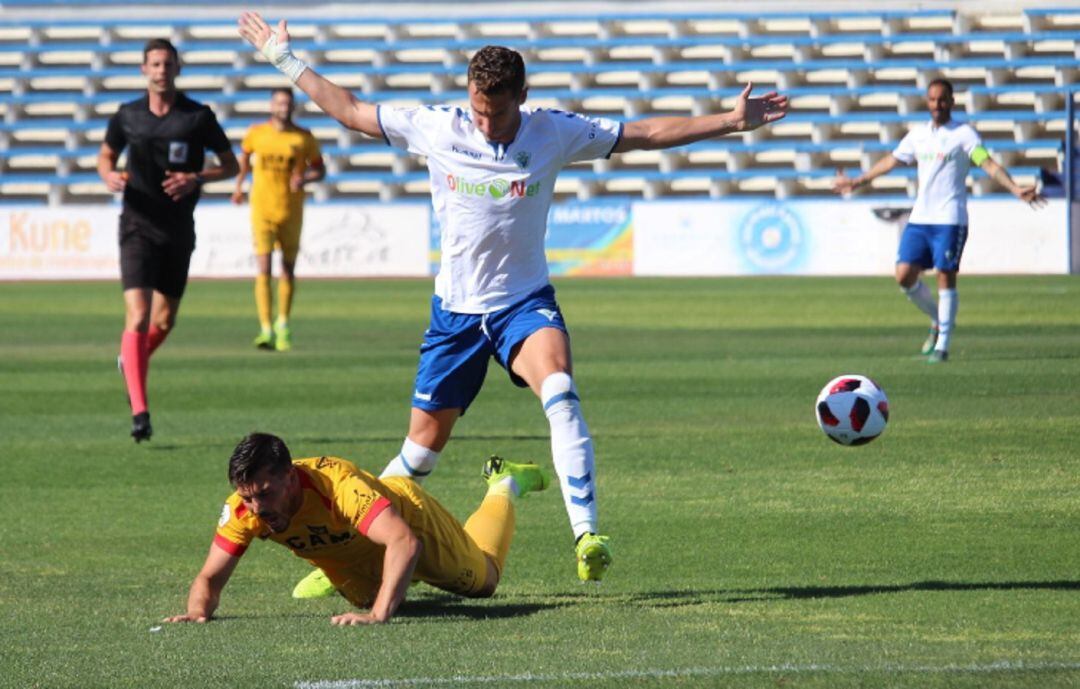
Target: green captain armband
column 979, row 155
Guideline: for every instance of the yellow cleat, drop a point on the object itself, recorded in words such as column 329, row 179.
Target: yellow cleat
column 264, row 340
column 593, row 557
column 314, row 585
column 530, row 478
column 282, row 337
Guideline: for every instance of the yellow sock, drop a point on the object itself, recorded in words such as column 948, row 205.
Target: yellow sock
column 262, row 300
column 285, row 294
column 492, row 525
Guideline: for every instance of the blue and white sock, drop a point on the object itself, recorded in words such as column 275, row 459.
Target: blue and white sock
column 414, row 461
column 948, row 302
column 920, row 296
column 571, row 451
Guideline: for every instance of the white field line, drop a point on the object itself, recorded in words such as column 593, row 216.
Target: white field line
column 1000, row 666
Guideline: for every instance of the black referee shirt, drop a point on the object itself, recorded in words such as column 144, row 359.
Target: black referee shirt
column 176, row 142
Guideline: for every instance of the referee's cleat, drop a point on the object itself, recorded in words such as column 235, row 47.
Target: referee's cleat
column 264, row 340
column 938, row 356
column 314, row 585
column 593, row 557
column 930, row 341
column 140, row 427
column 282, row 337
column 529, row 478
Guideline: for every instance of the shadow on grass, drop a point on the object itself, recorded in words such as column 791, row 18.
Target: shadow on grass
column 453, row 608
column 664, row 599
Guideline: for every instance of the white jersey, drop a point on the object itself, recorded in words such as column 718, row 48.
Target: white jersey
column 944, row 158
column 492, row 200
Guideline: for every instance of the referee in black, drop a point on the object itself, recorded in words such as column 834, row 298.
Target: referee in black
column 166, row 135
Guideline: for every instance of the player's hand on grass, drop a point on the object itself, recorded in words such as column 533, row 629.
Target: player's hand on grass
column 177, row 185
column 350, row 619
column 755, row 112
column 1031, row 196
column 187, row 617
column 842, row 184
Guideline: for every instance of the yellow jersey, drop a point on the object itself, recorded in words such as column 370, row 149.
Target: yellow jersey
column 330, row 530
column 339, row 503
column 275, row 155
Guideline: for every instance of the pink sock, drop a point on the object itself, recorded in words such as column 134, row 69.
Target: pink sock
column 156, row 337
column 136, row 357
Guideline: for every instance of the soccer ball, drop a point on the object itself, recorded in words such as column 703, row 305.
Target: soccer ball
column 852, row 409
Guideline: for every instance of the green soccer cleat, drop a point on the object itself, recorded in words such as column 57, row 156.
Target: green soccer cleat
column 930, row 341
column 937, row 356
column 529, row 478
column 314, row 585
column 264, row 340
column 282, row 337
column 593, row 557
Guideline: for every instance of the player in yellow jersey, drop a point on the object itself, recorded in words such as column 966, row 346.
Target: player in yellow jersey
column 286, row 157
column 371, row 537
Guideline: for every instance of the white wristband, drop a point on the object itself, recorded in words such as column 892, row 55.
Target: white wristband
column 281, row 57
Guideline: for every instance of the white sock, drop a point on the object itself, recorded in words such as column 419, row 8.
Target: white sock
column 948, row 302
column 571, row 451
column 920, row 296
column 414, row 461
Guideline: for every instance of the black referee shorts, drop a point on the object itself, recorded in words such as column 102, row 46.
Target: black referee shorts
column 153, row 257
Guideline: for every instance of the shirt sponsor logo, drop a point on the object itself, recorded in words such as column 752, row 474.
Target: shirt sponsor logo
column 426, row 396
column 937, row 156
column 318, row 536
column 497, row 188
column 466, row 152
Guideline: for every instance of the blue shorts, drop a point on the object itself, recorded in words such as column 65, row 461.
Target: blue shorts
column 938, row 246
column 457, row 346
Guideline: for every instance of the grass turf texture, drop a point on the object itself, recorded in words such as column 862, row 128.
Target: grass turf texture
column 750, row 550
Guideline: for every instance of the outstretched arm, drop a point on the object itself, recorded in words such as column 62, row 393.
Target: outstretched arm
column 668, row 132
column 998, row 173
column 206, row 588
column 334, row 100
column 845, row 185
column 403, row 550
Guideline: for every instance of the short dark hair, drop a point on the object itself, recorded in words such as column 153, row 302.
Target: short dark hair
column 283, row 89
column 160, row 44
column 495, row 69
column 256, row 453
column 942, row 82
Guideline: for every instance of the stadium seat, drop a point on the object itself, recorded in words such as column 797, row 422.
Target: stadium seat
column 856, row 81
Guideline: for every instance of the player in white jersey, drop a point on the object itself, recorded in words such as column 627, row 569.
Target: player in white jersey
column 493, row 169
column 936, row 231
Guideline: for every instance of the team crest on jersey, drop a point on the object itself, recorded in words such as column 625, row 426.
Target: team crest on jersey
column 522, row 159
column 178, row 151
column 224, row 519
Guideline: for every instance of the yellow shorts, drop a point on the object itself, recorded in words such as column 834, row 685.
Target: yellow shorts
column 451, row 560
column 271, row 234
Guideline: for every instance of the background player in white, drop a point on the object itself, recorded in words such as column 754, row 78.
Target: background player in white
column 937, row 228
column 493, row 170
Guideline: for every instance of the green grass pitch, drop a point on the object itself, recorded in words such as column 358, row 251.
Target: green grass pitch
column 750, row 551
